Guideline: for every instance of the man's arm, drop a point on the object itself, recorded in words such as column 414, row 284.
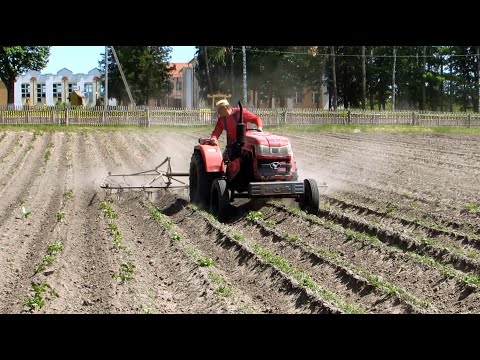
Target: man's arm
column 218, row 129
column 255, row 119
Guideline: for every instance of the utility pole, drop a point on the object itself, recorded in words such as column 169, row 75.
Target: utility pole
column 424, row 102
column 393, row 77
column 334, row 76
column 123, row 77
column 105, row 95
column 364, row 79
column 244, row 76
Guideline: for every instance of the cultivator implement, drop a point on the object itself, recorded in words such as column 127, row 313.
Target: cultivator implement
column 149, row 181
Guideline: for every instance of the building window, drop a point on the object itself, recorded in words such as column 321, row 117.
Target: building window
column 298, row 97
column 179, row 85
column 57, row 91
column 315, row 97
column 71, row 87
column 25, row 90
column 41, row 92
column 88, row 91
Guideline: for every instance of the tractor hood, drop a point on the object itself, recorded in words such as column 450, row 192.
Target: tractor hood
column 266, row 139
column 269, row 146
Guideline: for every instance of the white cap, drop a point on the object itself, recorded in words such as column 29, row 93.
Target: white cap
column 222, row 103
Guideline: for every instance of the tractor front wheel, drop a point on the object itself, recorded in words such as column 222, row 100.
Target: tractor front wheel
column 220, row 200
column 310, row 200
column 200, row 181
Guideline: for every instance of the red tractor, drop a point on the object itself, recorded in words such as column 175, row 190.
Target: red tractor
column 257, row 165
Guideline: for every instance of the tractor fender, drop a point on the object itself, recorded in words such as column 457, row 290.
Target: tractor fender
column 212, row 158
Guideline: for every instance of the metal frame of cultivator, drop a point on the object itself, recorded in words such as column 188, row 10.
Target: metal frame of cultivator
column 149, row 181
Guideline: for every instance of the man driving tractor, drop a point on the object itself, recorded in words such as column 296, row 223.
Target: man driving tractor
column 228, row 119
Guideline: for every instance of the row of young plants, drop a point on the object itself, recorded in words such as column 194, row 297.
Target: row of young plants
column 127, row 267
column 223, row 289
column 41, row 289
column 349, row 273
column 327, row 301
column 448, row 259
column 427, row 231
column 362, row 232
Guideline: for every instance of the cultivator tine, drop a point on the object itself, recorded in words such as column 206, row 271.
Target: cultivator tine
column 148, row 181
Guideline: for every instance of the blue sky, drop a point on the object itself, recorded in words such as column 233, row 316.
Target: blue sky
column 82, row 59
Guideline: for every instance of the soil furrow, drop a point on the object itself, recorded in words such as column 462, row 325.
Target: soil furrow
column 7, row 146
column 15, row 159
column 398, row 229
column 450, row 239
column 165, row 279
column 88, row 286
column 21, row 182
column 336, row 279
column 420, row 279
column 401, row 240
column 44, row 205
column 243, row 268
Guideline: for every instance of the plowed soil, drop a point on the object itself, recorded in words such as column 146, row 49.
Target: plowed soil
column 398, row 229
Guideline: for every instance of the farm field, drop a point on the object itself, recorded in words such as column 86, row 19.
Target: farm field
column 398, row 229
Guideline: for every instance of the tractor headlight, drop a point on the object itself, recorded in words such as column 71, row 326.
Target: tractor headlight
column 274, row 150
column 262, row 149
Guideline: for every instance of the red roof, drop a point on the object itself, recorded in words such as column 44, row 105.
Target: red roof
column 175, row 72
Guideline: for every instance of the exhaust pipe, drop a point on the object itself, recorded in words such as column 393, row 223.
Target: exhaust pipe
column 241, row 128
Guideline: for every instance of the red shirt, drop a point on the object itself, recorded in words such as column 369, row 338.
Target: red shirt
column 231, row 121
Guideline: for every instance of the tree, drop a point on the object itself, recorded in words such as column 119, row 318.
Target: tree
column 212, row 72
column 476, row 105
column 146, row 71
column 464, row 71
column 348, row 63
column 334, row 78
column 312, row 70
column 424, row 105
column 272, row 71
column 15, row 60
column 364, row 79
column 278, row 72
column 409, row 75
column 370, row 80
column 393, row 77
column 207, row 67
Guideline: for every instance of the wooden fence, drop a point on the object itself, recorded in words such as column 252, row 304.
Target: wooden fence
column 145, row 117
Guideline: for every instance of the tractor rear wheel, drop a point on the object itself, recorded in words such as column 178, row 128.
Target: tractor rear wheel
column 200, row 181
column 310, row 200
column 220, row 200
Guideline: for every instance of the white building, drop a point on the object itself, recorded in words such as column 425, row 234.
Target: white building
column 33, row 88
column 191, row 91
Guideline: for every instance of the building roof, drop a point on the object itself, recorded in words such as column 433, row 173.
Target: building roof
column 78, row 93
column 177, row 67
column 64, row 72
column 72, row 78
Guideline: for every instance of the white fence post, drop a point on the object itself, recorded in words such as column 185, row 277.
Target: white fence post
column 66, row 117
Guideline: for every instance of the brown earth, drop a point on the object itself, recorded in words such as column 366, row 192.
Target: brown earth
column 398, row 229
